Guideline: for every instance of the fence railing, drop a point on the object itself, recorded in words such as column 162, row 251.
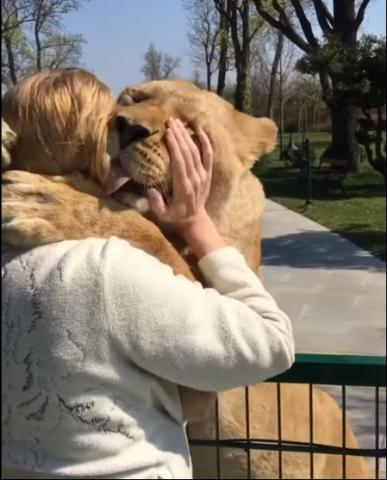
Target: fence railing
column 312, row 369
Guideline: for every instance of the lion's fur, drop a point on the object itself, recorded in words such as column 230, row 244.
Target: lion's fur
column 8, row 141
column 236, row 203
column 238, row 141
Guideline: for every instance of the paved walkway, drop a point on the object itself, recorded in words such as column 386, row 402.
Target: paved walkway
column 335, row 295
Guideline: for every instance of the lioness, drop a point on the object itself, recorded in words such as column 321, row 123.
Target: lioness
column 55, row 210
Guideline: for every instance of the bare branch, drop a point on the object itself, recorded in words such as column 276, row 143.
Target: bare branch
column 283, row 25
column 324, row 17
column 219, row 5
column 255, row 31
column 282, row 14
column 13, row 17
column 234, row 29
column 360, row 14
column 305, row 23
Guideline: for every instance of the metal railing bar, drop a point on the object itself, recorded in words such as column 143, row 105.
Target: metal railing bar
column 311, row 429
column 377, row 430
column 336, row 370
column 286, row 446
column 344, row 436
column 279, row 418
column 217, row 438
column 247, row 407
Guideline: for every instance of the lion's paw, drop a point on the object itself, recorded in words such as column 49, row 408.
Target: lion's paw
column 29, row 233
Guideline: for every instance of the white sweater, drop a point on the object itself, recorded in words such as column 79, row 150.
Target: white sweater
column 96, row 336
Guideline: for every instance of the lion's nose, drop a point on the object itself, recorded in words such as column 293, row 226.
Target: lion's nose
column 130, row 130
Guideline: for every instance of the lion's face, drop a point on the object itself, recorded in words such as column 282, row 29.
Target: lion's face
column 238, row 139
column 143, row 153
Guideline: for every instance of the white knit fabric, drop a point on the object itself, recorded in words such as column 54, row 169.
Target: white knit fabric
column 96, row 336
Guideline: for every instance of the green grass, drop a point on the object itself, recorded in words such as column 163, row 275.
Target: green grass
column 360, row 216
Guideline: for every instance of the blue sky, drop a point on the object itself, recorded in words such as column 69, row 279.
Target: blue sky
column 118, row 32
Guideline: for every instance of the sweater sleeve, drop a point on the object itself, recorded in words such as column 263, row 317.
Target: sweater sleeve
column 211, row 339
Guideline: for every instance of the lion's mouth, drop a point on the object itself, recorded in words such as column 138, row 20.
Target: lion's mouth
column 117, row 179
column 127, row 191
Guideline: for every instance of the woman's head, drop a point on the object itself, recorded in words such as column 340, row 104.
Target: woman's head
column 61, row 119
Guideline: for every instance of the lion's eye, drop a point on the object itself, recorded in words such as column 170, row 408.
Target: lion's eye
column 129, row 131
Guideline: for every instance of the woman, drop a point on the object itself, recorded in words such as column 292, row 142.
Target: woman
column 99, row 334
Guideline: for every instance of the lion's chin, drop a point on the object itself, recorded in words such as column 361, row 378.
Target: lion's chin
column 132, row 200
column 129, row 186
column 134, row 195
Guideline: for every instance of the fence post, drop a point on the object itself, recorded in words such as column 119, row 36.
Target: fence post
column 308, row 172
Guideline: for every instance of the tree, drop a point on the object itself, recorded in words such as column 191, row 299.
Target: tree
column 153, row 62
column 342, row 25
column 196, row 80
column 158, row 65
column 276, row 65
column 203, row 35
column 273, row 64
column 169, row 65
column 224, row 43
column 33, row 37
column 243, row 28
column 209, row 38
column 369, row 93
column 304, row 99
column 280, row 51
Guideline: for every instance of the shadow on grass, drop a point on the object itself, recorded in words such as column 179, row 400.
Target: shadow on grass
column 285, row 182
column 374, row 241
column 311, row 249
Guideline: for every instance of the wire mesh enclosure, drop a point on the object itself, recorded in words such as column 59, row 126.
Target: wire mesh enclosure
column 299, row 425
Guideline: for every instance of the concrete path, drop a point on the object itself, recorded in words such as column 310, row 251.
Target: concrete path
column 335, row 295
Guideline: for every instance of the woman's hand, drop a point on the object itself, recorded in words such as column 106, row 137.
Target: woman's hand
column 185, row 211
column 191, row 174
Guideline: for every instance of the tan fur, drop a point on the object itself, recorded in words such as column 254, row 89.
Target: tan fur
column 8, row 141
column 263, row 424
column 73, row 207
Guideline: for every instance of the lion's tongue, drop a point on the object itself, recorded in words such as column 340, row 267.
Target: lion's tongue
column 116, row 179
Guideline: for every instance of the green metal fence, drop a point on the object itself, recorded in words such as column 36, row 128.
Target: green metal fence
column 310, row 369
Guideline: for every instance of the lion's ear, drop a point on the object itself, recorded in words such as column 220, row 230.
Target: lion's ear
column 267, row 132
column 125, row 98
column 260, row 134
column 131, row 95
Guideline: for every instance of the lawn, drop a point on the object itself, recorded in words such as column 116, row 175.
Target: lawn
column 360, row 216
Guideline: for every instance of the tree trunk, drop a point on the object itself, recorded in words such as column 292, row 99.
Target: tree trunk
column 281, row 105
column 379, row 134
column 344, row 12
column 273, row 74
column 209, row 75
column 222, row 70
column 11, row 60
column 38, row 49
column 223, row 51
column 242, row 57
column 344, row 145
column 243, row 90
column 343, row 117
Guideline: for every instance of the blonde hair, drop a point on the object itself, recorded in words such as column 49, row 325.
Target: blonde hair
column 68, row 111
